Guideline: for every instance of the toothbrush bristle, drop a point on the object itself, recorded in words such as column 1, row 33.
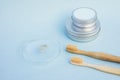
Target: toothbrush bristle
column 71, row 48
column 76, row 60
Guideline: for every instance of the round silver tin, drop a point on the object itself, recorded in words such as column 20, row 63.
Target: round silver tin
column 83, row 26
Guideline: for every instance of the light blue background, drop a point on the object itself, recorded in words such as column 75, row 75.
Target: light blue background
column 25, row 20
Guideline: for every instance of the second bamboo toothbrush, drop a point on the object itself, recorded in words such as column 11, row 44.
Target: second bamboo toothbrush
column 79, row 62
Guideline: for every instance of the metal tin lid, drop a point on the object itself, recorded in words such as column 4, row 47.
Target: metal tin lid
column 83, row 39
column 70, row 28
column 84, row 15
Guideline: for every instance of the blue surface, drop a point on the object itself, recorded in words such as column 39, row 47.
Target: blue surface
column 25, row 20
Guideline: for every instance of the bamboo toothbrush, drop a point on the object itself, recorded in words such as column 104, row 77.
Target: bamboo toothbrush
column 107, row 69
column 97, row 55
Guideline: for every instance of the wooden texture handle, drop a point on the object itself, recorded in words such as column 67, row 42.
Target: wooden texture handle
column 105, row 69
column 100, row 55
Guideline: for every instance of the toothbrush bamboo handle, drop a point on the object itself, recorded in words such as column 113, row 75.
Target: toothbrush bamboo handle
column 105, row 69
column 97, row 55
column 102, row 56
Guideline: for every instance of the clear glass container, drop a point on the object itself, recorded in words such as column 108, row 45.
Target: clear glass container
column 41, row 51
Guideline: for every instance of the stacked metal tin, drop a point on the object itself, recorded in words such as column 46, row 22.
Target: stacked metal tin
column 83, row 26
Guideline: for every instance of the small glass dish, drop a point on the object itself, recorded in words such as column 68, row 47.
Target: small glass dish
column 41, row 51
